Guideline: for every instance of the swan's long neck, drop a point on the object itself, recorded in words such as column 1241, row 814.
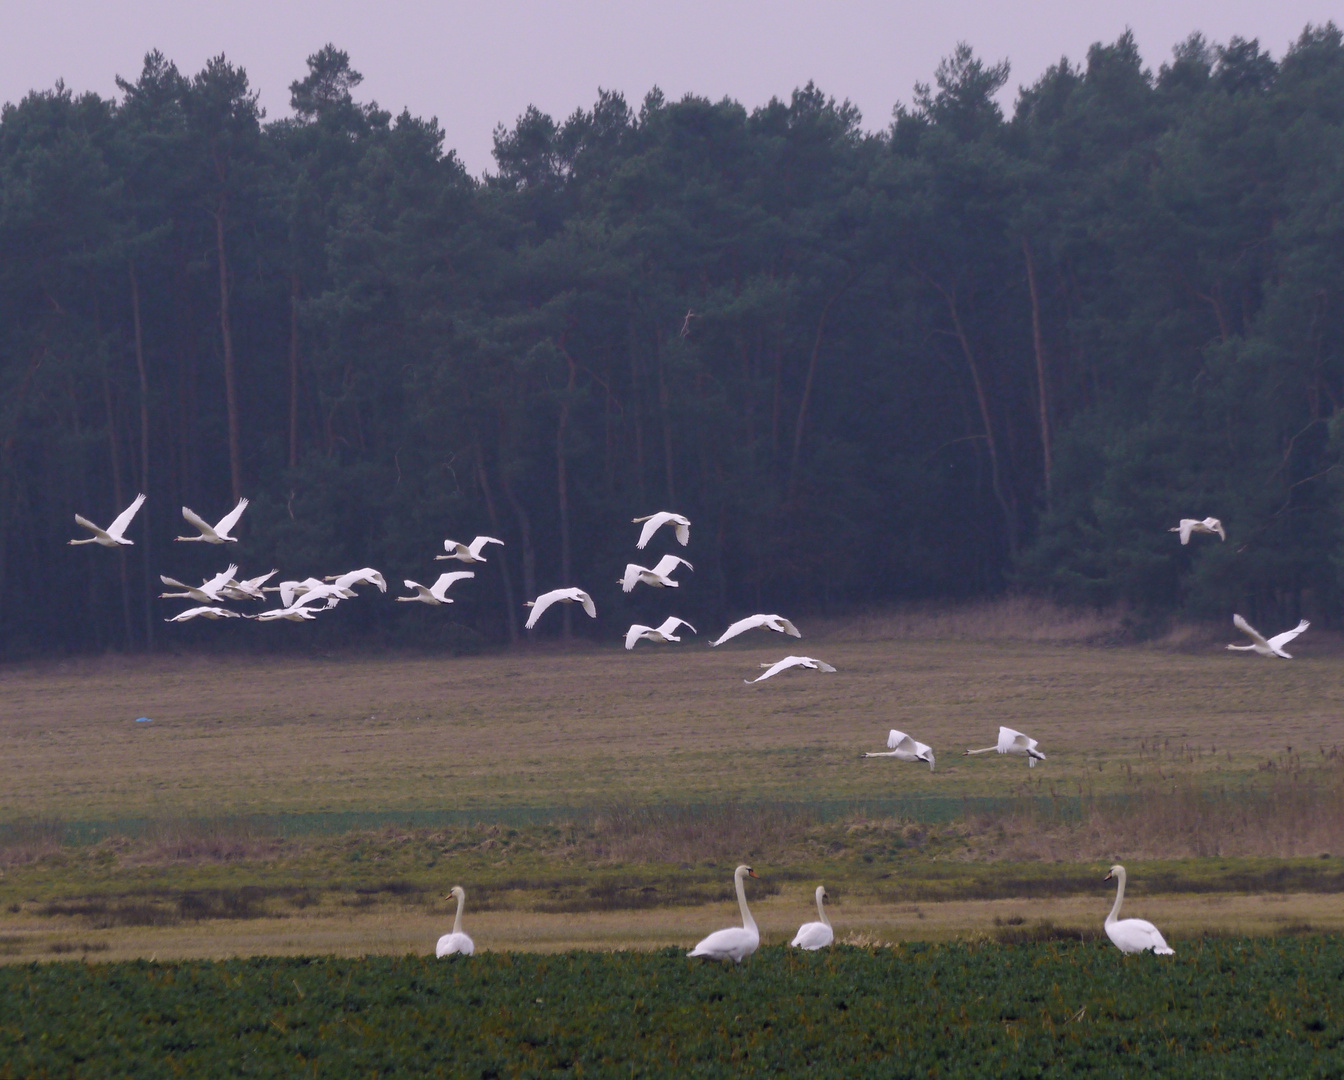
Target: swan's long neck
column 982, row 750
column 1119, row 898
column 881, row 753
column 821, row 908
column 461, row 901
column 747, row 921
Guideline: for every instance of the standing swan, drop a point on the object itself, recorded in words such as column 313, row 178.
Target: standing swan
column 737, row 942
column 815, row 935
column 456, row 942
column 1132, row 935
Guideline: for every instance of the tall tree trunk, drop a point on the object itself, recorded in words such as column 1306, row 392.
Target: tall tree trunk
column 510, row 606
column 663, row 401
column 293, row 369
column 808, row 380
column 230, row 384
column 562, row 492
column 114, row 453
column 148, row 553
column 982, row 400
column 1042, row 387
column 524, row 533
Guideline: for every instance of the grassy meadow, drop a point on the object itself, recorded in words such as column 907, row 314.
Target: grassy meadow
column 590, row 797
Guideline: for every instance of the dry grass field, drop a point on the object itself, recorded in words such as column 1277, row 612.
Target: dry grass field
column 1167, row 751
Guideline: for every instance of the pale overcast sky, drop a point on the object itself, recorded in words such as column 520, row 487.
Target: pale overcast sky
column 477, row 65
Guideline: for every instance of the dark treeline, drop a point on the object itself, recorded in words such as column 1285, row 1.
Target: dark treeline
column 970, row 352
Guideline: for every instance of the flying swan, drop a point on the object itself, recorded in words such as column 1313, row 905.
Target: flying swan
column 815, row 935
column 790, row 662
column 249, row 588
column 456, row 943
column 218, row 534
column 1272, row 647
column 1190, row 525
column 1013, row 742
column 904, row 748
column 777, row 623
column 654, row 522
column 663, row 633
column 657, row 577
column 1132, row 935
column 561, row 596
column 210, row 592
column 366, row 576
column 112, row 535
column 468, row 552
column 438, row 592
column 737, row 942
column 204, row 613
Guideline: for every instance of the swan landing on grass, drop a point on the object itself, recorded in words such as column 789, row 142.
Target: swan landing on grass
column 737, row 942
column 1132, row 935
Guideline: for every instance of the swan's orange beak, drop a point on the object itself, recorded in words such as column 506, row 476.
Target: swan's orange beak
column 752, row 873
column 1108, row 876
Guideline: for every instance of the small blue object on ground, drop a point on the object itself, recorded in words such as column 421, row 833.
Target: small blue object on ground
column 143, row 720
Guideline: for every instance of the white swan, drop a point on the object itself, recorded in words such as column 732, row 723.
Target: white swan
column 249, row 589
column 1190, row 525
column 210, row 592
column 112, row 535
column 299, row 611
column 654, row 522
column 216, row 534
column 1013, row 742
column 1272, row 647
column 904, row 748
column 777, row 623
column 559, row 596
column 664, row 632
column 815, row 935
column 791, row 662
column 456, row 943
column 737, row 942
column 438, row 592
column 468, row 552
column 657, row 577
column 204, row 613
column 1132, row 935
column 366, row 576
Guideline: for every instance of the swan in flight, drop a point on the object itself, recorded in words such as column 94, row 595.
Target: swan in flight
column 788, row 662
column 737, row 942
column 299, row 611
column 468, row 552
column 210, row 592
column 562, row 596
column 654, row 522
column 456, row 943
column 657, row 577
column 250, row 589
column 112, row 535
column 367, row 576
column 438, row 592
column 815, row 935
column 1190, row 525
column 1013, row 742
column 777, row 623
column 1132, row 935
column 1272, row 647
column 309, row 590
column 904, row 748
column 204, row 613
column 217, row 534
column 663, row 633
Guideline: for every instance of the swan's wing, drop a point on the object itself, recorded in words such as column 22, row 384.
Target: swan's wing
column 97, row 530
column 1184, row 529
column 229, row 520
column 1251, row 632
column 258, row 582
column 173, row 582
column 1215, row 526
column 652, row 524
column 445, row 581
column 741, row 626
column 899, row 740
column 587, row 602
column 220, row 579
column 668, row 563
column 194, row 519
column 634, row 634
column 476, row 545
column 631, row 576
column 776, row 668
column 683, row 532
column 786, row 627
column 455, row 549
column 540, row 604
column 823, row 666
column 1280, row 640
column 671, row 623
column 124, row 518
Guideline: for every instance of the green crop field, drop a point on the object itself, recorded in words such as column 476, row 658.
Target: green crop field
column 1230, row 1008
